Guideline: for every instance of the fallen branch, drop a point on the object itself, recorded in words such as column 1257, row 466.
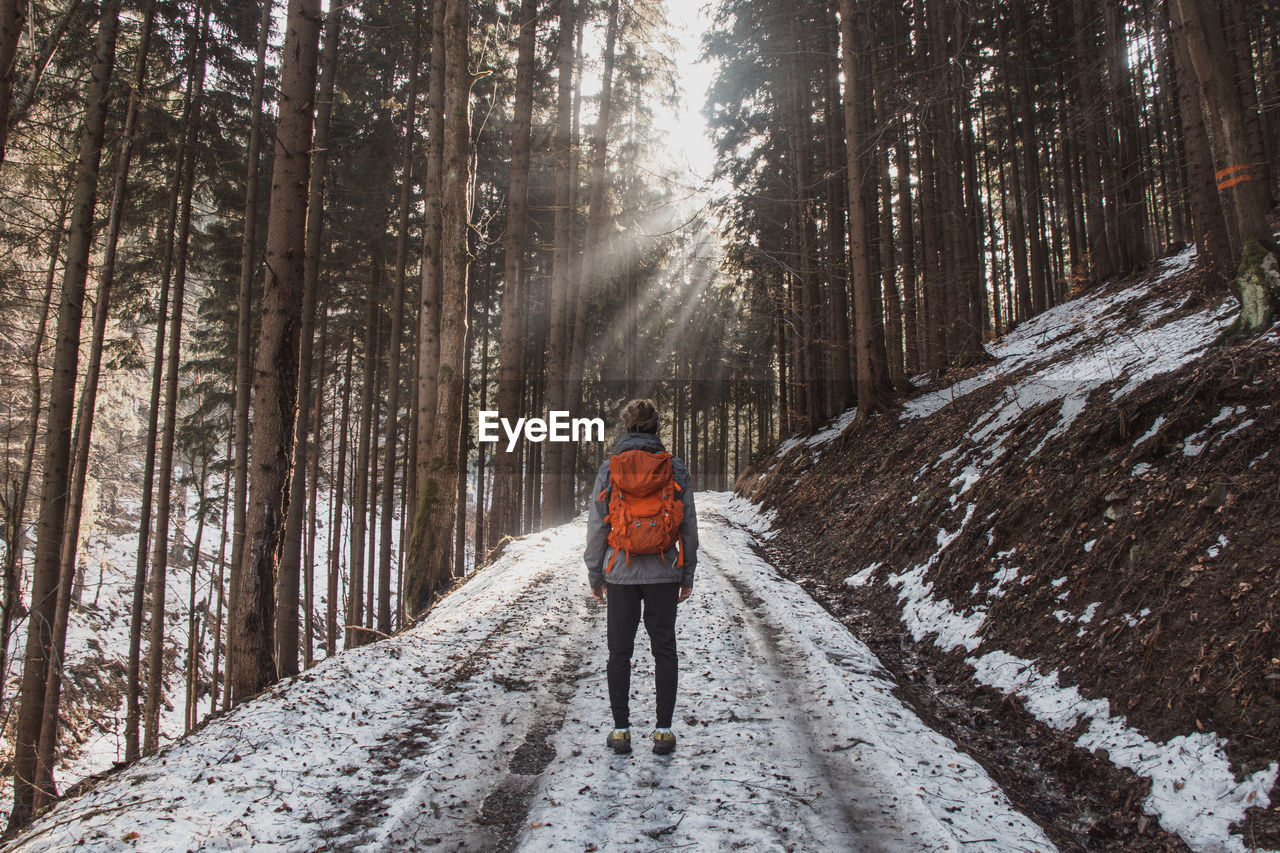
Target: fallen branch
column 367, row 630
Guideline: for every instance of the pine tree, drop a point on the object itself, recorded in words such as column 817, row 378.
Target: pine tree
column 251, row 648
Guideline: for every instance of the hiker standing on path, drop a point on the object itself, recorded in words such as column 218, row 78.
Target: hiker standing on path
column 642, row 548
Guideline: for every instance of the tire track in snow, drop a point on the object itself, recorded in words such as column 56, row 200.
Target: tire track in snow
column 498, row 702
column 399, row 749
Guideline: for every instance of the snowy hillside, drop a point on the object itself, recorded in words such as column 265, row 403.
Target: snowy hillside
column 98, row 635
column 483, row 727
column 1054, row 517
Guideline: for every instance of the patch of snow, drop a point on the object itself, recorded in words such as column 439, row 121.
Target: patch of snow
column 1003, row 576
column 965, row 481
column 1057, row 582
column 1175, row 265
column 823, row 436
column 755, row 518
column 1087, row 616
column 1142, row 469
column 1033, row 363
column 1216, row 548
column 923, row 614
column 1193, row 446
column 1194, row 791
column 1150, row 433
column 863, row 577
column 1243, row 425
column 1088, row 546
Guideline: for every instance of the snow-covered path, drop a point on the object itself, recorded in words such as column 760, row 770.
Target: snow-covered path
column 483, row 728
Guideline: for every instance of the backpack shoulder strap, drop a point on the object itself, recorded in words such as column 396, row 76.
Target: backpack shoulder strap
column 606, row 493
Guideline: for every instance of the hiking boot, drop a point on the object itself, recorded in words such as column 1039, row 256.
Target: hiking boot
column 663, row 742
column 619, row 740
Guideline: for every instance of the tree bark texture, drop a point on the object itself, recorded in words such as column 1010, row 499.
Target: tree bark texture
column 51, row 525
column 872, row 394
column 291, row 561
column 506, row 482
column 429, row 559
column 244, row 324
column 275, row 390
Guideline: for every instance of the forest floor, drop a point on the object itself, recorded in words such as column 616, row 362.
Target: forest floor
column 482, row 728
column 1066, row 556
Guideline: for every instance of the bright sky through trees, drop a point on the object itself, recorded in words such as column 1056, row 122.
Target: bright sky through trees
column 686, row 128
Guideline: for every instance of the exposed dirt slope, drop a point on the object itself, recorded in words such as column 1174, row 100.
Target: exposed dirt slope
column 1099, row 502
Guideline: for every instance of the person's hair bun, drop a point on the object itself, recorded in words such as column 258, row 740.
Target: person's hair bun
column 640, row 416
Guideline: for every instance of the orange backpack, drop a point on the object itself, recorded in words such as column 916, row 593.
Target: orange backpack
column 645, row 509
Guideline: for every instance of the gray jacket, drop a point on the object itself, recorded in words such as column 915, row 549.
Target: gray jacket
column 643, row 568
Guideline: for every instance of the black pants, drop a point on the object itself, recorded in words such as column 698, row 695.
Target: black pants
column 659, row 600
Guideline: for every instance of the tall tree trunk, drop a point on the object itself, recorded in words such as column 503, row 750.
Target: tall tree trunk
column 1242, row 185
column 1130, row 210
column 568, row 452
column 431, row 283
column 1092, row 116
column 102, row 305
column 313, row 484
column 975, row 281
column 13, row 17
column 214, row 681
column 160, row 554
column 133, row 680
column 275, row 391
column 587, row 272
column 88, row 403
column 397, row 332
column 1213, row 247
column 427, row 571
column 506, row 482
column 193, row 621
column 1032, row 184
column 244, row 353
column 335, row 529
column 16, row 506
column 51, row 526
column 810, row 299
column 360, row 479
column 872, row 390
column 1017, row 223
column 291, row 561
column 907, row 234
column 481, row 482
column 370, row 584
column 1235, row 23
column 559, row 343
column 888, row 274
column 464, row 453
column 836, row 229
